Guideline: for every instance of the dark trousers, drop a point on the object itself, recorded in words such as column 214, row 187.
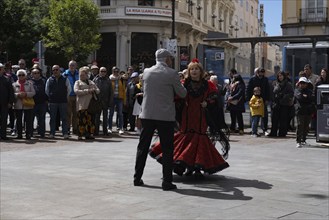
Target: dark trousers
column 280, row 117
column 166, row 134
column 3, row 119
column 131, row 119
column 40, row 114
column 105, row 112
column 303, row 122
column 264, row 120
column 28, row 116
column 236, row 115
column 11, row 114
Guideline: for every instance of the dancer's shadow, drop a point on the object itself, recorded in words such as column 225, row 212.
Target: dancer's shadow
column 219, row 187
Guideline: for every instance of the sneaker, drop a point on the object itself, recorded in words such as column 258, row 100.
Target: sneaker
column 13, row 133
column 254, row 135
column 51, row 136
column 304, row 143
column 121, row 132
column 109, row 131
column 66, row 136
column 241, row 132
column 267, row 133
column 79, row 138
column 299, row 145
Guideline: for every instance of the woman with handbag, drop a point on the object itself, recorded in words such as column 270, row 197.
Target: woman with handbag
column 24, row 104
column 85, row 91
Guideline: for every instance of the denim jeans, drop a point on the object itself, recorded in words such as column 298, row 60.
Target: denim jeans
column 53, row 108
column 40, row 114
column 254, row 123
column 118, row 103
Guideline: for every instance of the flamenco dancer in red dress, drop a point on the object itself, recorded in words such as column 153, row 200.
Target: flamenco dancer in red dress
column 194, row 151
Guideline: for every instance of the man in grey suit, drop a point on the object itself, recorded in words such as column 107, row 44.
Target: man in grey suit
column 160, row 84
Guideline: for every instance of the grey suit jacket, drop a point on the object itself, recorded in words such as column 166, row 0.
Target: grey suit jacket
column 160, row 85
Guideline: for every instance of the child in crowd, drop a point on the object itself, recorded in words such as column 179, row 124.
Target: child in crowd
column 256, row 105
column 304, row 108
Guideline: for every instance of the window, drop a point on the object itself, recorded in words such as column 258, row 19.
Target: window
column 146, row 2
column 247, row 6
column 241, row 3
column 241, row 23
column 252, row 10
column 246, row 26
column 105, row 2
column 251, row 30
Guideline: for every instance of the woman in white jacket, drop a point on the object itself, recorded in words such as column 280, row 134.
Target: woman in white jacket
column 84, row 90
column 23, row 89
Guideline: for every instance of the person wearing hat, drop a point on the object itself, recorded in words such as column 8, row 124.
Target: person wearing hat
column 304, row 107
column 104, row 84
column 132, row 90
column 119, row 98
column 94, row 72
column 260, row 80
column 161, row 84
column 6, row 100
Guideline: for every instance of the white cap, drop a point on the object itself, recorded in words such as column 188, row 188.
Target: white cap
column 304, row 79
column 1, row 65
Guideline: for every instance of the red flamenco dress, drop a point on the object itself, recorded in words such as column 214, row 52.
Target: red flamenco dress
column 193, row 150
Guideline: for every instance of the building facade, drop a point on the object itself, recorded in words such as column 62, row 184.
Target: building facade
column 305, row 17
column 132, row 30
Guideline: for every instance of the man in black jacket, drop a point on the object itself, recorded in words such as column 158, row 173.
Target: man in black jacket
column 260, row 80
column 6, row 100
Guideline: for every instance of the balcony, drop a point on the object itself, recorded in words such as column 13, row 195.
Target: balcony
column 313, row 15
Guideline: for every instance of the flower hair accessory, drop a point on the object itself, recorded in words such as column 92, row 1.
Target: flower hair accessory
column 195, row 60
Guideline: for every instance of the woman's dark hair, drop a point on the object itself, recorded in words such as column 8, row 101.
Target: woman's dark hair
column 233, row 71
column 283, row 74
column 238, row 78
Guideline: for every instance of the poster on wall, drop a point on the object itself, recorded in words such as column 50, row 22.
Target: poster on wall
column 184, row 57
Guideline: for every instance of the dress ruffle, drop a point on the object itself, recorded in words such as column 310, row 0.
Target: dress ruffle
column 193, row 151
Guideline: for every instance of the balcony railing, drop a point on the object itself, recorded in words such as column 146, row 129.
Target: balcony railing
column 313, row 15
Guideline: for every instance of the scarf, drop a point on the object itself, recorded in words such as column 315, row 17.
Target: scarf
column 21, row 85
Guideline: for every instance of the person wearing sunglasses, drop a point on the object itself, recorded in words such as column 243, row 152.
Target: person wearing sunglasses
column 23, row 89
column 40, row 100
column 6, row 100
column 58, row 89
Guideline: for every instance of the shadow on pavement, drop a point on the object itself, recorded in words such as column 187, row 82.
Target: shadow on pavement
column 219, row 187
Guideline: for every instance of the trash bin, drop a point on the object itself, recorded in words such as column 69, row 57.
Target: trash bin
column 322, row 102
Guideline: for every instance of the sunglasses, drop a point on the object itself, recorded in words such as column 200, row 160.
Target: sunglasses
column 20, row 75
column 35, row 72
column 103, row 71
column 55, row 69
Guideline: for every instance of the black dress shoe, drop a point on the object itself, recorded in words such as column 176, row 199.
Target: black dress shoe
column 19, row 137
column 138, row 182
column 168, row 186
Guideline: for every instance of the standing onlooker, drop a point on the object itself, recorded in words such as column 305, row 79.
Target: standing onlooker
column 131, row 99
column 94, row 72
column 72, row 74
column 40, row 100
column 323, row 79
column 10, row 73
column 220, row 100
column 138, row 103
column 104, row 84
column 160, row 85
column 235, row 103
column 283, row 93
column 313, row 79
column 304, row 107
column 310, row 75
column 256, row 105
column 22, row 66
column 85, row 90
column 58, row 89
column 6, row 100
column 23, row 88
column 119, row 98
column 260, row 80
